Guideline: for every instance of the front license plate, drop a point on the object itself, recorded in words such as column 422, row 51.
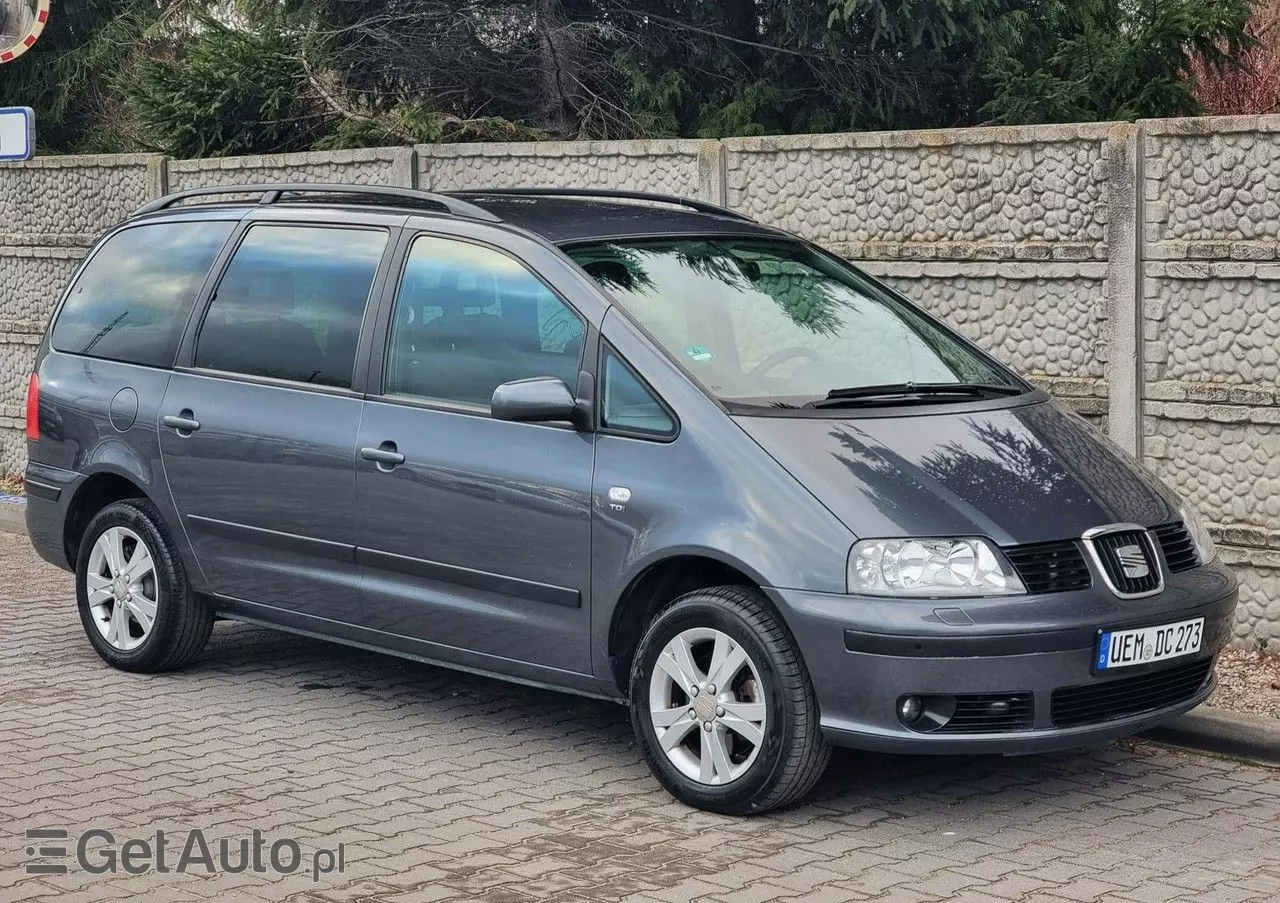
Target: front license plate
column 1143, row 645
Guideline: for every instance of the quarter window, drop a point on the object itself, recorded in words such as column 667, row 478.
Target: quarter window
column 629, row 407
column 291, row 303
column 132, row 299
column 469, row 318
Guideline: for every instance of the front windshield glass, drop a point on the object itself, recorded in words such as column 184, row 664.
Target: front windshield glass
column 777, row 323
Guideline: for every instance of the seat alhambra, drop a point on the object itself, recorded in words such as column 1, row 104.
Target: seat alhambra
column 623, row 445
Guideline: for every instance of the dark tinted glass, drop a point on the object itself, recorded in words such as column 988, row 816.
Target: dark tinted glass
column 290, row 304
column 629, row 406
column 132, row 300
column 469, row 318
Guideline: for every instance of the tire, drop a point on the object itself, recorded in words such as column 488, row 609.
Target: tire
column 755, row 769
column 181, row 621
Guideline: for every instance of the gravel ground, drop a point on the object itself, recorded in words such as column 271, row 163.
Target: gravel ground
column 1248, row 682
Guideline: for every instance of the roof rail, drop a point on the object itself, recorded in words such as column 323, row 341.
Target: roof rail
column 700, row 206
column 271, row 194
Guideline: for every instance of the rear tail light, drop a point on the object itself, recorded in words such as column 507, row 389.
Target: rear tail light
column 33, row 408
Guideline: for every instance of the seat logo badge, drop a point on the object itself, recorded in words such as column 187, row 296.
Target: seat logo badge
column 618, row 498
column 1124, row 556
column 1132, row 561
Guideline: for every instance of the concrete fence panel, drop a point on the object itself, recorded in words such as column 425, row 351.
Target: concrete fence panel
column 1211, row 338
column 379, row 166
column 671, row 167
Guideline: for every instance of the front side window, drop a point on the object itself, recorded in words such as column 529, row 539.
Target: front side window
column 469, row 318
column 133, row 297
column 290, row 304
column 776, row 324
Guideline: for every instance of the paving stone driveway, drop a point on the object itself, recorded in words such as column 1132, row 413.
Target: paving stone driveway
column 442, row 786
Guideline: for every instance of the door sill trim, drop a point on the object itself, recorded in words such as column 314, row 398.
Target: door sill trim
column 437, row 654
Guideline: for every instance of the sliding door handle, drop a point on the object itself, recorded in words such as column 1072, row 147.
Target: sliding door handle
column 385, row 456
column 184, row 423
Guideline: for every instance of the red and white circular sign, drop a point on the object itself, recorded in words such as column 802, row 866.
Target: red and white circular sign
column 21, row 23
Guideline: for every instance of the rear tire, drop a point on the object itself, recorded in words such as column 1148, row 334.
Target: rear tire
column 722, row 704
column 135, row 602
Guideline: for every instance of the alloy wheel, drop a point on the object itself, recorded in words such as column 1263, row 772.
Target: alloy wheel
column 707, row 706
column 121, row 586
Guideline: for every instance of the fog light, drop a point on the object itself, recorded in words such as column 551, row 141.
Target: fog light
column 910, row 709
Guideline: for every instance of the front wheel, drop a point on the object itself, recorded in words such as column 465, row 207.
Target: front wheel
column 722, row 704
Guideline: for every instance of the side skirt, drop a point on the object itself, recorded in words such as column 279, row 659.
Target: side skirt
column 428, row 653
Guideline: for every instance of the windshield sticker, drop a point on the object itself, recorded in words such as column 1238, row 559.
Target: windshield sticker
column 698, row 352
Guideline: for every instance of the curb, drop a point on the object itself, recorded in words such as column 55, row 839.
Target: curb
column 13, row 516
column 1253, row 738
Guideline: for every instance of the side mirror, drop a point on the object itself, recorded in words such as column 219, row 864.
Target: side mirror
column 535, row 400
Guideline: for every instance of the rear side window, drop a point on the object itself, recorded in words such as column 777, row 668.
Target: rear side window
column 132, row 299
column 291, row 303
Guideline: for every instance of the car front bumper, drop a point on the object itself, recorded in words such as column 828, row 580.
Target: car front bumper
column 865, row 654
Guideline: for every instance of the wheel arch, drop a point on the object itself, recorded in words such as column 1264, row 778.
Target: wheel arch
column 655, row 583
column 95, row 491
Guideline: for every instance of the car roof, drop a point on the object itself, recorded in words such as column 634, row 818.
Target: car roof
column 568, row 220
column 561, row 216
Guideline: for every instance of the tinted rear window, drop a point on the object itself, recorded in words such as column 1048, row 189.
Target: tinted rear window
column 131, row 301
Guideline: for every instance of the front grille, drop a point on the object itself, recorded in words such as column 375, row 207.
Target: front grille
column 1128, row 549
column 1050, row 567
column 1179, row 550
column 1111, row 699
column 989, row 713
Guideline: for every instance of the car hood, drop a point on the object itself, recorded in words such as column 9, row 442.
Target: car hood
column 1018, row 474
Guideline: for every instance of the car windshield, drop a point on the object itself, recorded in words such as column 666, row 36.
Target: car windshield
column 779, row 324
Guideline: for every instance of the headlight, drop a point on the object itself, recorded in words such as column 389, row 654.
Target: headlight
column 1199, row 535
column 930, row 567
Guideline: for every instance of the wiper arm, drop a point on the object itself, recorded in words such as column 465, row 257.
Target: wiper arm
column 910, row 392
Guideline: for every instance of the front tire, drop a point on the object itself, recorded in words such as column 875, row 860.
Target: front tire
column 135, row 602
column 722, row 704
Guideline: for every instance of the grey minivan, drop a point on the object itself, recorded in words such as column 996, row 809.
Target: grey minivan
column 611, row 443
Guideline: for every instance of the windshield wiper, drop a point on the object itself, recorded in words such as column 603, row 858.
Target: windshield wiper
column 911, row 393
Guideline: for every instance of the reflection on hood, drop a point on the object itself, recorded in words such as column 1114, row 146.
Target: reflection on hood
column 1023, row 474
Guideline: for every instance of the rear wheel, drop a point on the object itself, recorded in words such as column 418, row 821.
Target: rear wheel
column 135, row 602
column 722, row 704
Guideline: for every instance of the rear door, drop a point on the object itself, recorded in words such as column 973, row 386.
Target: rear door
column 258, row 429
column 475, row 533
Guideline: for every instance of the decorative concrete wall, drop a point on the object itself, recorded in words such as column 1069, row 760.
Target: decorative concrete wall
column 1211, row 339
column 670, row 167
column 1129, row 269
column 379, row 166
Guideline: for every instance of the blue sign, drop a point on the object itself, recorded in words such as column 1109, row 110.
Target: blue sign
column 17, row 134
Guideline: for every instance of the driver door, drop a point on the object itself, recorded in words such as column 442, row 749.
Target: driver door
column 474, row 534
